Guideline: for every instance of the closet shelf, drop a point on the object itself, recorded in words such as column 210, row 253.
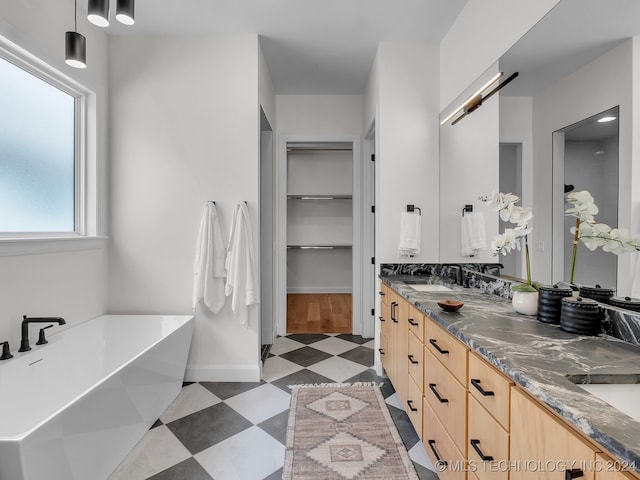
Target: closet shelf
column 318, row 247
column 298, row 196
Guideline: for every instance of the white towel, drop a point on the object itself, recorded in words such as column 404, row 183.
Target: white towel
column 208, row 266
column 472, row 234
column 242, row 279
column 410, row 231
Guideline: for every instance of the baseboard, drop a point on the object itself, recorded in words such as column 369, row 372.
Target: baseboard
column 222, row 373
column 319, row 290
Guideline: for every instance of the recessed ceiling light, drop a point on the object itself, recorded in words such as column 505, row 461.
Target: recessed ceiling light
column 606, row 119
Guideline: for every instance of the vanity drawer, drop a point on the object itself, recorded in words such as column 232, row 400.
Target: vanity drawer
column 384, row 294
column 447, row 349
column 490, row 388
column 447, row 397
column 440, row 447
column 416, row 322
column 414, row 406
column 384, row 350
column 489, row 440
column 415, row 360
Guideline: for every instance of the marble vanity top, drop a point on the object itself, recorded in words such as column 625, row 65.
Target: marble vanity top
column 541, row 358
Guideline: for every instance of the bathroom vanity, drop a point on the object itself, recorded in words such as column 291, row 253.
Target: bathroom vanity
column 496, row 395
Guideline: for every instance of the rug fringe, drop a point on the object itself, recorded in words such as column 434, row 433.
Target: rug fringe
column 336, row 385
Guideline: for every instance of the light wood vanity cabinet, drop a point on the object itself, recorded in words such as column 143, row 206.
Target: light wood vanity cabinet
column 470, row 415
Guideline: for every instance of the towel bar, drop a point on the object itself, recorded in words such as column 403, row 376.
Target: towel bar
column 467, row 209
column 411, row 208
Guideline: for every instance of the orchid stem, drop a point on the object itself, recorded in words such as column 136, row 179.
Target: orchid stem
column 526, row 256
column 575, row 250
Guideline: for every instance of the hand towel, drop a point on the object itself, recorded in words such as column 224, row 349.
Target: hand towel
column 472, row 234
column 242, row 279
column 209, row 264
column 410, row 231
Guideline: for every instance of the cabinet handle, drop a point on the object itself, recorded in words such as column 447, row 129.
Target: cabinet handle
column 411, row 322
column 411, row 407
column 382, row 319
column 415, row 362
column 476, row 383
column 573, row 473
column 432, row 386
column 434, row 342
column 485, row 458
column 382, row 293
column 381, row 351
column 432, row 444
column 394, row 305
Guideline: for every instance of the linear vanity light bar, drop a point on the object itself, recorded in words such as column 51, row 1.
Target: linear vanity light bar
column 471, row 97
column 476, row 101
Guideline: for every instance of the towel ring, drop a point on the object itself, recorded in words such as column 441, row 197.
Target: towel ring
column 411, row 208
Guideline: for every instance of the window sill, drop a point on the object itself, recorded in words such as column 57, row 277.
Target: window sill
column 31, row 246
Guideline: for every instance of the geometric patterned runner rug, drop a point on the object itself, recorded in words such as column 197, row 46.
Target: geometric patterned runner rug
column 343, row 431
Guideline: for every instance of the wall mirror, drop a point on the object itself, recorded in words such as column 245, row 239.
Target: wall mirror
column 573, row 64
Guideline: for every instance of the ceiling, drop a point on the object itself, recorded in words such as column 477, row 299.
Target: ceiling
column 311, row 47
column 573, row 34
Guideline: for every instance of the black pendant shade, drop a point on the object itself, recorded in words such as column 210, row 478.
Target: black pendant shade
column 98, row 12
column 75, row 50
column 125, row 11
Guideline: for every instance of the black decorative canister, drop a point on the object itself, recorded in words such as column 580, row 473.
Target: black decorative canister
column 581, row 315
column 598, row 293
column 626, row 302
column 550, row 302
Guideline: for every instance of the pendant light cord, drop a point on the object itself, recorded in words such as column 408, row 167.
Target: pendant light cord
column 75, row 16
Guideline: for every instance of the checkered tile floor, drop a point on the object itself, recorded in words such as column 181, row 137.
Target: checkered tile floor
column 237, row 431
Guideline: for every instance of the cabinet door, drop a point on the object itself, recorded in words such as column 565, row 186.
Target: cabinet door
column 488, row 446
column 401, row 349
column 416, row 322
column 543, row 448
column 490, row 388
column 447, row 398
column 449, row 462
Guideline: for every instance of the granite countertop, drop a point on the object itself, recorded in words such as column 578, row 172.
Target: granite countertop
column 540, row 358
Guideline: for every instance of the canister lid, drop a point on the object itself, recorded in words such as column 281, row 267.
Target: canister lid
column 555, row 288
column 625, row 302
column 581, row 302
column 597, row 290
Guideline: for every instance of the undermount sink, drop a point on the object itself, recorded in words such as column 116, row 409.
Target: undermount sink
column 623, row 396
column 429, row 287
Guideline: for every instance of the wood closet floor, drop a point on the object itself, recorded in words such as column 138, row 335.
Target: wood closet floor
column 319, row 313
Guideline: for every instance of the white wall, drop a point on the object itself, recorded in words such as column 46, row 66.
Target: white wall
column 602, row 84
column 184, row 130
column 319, row 114
column 69, row 284
column 497, row 24
column 407, row 146
column 469, row 169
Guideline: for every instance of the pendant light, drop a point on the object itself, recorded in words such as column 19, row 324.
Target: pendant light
column 75, row 45
column 98, row 12
column 125, row 11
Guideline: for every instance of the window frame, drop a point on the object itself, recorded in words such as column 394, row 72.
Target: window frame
column 85, row 235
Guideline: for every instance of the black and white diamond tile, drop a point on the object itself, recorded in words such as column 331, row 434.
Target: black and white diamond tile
column 228, row 430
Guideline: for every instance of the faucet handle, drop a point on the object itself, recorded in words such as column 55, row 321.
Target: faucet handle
column 6, row 351
column 41, row 338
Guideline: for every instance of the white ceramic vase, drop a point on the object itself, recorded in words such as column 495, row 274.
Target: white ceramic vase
column 525, row 303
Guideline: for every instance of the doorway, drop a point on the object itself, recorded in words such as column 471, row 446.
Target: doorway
column 585, row 157
column 318, row 264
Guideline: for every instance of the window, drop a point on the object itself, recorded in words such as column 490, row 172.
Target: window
column 48, row 158
column 37, row 154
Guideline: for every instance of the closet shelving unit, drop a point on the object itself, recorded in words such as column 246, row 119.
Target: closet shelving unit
column 319, row 217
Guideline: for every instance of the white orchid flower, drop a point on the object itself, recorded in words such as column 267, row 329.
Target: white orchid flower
column 521, row 215
column 506, row 242
column 583, row 206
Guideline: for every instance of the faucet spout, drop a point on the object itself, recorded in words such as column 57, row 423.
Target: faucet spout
column 24, row 342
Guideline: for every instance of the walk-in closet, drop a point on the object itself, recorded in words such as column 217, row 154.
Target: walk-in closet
column 319, row 237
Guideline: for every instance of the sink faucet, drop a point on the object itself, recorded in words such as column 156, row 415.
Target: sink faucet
column 24, row 343
column 458, row 270
column 6, row 351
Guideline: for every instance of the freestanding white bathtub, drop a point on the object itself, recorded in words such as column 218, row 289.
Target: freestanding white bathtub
column 72, row 409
